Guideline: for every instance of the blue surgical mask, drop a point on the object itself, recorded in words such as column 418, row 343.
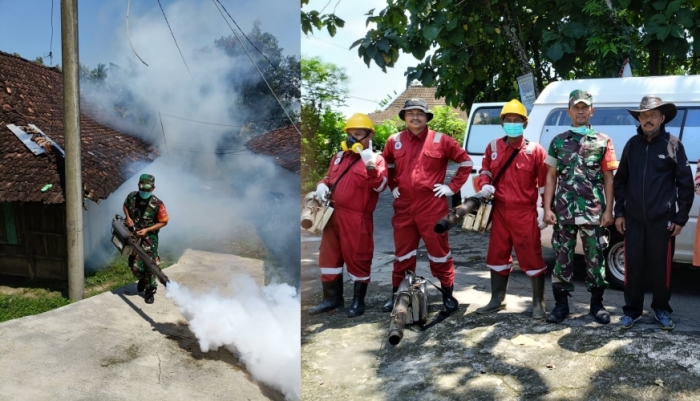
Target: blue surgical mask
column 513, row 130
column 580, row 130
column 144, row 194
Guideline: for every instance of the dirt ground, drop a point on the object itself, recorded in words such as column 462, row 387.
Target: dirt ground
column 503, row 356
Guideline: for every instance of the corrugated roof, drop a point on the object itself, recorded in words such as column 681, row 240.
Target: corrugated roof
column 414, row 91
column 33, row 94
column 282, row 144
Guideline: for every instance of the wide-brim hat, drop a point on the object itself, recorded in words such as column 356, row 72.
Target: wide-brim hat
column 415, row 104
column 651, row 102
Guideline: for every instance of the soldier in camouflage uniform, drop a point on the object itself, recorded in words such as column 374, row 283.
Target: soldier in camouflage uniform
column 147, row 214
column 579, row 198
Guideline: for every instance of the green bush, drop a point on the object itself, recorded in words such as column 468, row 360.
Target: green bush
column 447, row 121
column 384, row 130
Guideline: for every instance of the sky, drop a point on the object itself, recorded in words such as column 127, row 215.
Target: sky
column 26, row 26
column 365, row 83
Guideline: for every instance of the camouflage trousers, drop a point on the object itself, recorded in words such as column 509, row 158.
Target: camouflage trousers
column 140, row 270
column 595, row 241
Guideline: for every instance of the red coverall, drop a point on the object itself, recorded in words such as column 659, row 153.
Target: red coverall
column 416, row 163
column 514, row 214
column 349, row 234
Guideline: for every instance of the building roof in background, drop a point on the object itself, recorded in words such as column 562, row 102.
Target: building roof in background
column 33, row 94
column 282, row 144
column 413, row 91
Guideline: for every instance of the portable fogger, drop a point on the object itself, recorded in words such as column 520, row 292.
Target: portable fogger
column 315, row 213
column 476, row 211
column 126, row 241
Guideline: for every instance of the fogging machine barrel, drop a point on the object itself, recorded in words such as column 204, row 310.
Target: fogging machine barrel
column 127, row 242
column 447, row 222
column 398, row 321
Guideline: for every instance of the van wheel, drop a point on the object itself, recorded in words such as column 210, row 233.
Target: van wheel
column 615, row 261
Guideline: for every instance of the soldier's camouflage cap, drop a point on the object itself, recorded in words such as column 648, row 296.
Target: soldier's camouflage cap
column 580, row 96
column 147, row 181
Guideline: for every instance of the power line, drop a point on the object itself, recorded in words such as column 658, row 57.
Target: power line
column 129, row 37
column 330, row 43
column 355, row 97
column 256, row 67
column 178, row 47
column 201, row 122
column 51, row 43
column 244, row 35
column 149, row 135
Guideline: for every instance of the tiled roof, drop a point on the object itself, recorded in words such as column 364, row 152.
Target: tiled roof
column 422, row 92
column 33, row 94
column 283, row 144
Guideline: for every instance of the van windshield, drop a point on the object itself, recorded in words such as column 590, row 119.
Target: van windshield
column 615, row 122
column 484, row 126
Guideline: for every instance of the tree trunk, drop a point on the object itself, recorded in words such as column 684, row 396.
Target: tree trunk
column 511, row 31
column 653, row 62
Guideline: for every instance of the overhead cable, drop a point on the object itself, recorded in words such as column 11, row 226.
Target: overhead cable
column 127, row 34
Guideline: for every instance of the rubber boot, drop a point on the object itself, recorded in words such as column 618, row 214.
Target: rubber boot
column 561, row 308
column 598, row 311
column 389, row 306
column 499, row 286
column 538, row 302
column 332, row 297
column 148, row 296
column 451, row 304
column 358, row 300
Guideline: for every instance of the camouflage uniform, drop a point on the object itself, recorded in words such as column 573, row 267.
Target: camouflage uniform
column 154, row 212
column 579, row 203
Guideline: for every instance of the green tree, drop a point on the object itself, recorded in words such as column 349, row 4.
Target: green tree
column 324, row 87
column 315, row 19
column 386, row 129
column 482, row 47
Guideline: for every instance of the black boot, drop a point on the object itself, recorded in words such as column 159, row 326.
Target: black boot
column 598, row 311
column 148, row 297
column 358, row 300
column 389, row 306
column 450, row 302
column 538, row 302
column 142, row 285
column 499, row 286
column 561, row 308
column 332, row 297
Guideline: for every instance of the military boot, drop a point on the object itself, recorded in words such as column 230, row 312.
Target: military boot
column 450, row 302
column 148, row 296
column 389, row 306
column 561, row 307
column 499, row 286
column 332, row 296
column 598, row 311
column 358, row 300
column 142, row 285
column 538, row 302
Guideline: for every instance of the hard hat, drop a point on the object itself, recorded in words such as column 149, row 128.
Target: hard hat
column 359, row 120
column 514, row 107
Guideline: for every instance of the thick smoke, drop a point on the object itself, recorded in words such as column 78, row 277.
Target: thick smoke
column 261, row 326
column 211, row 185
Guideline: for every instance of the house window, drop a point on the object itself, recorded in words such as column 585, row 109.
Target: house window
column 8, row 228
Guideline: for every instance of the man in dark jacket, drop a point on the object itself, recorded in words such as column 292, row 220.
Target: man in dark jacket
column 653, row 178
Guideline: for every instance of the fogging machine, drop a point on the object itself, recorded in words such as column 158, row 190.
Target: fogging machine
column 410, row 306
column 476, row 211
column 128, row 243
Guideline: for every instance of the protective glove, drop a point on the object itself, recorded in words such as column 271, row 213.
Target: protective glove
column 540, row 219
column 322, row 191
column 395, row 192
column 368, row 156
column 487, row 191
column 442, row 190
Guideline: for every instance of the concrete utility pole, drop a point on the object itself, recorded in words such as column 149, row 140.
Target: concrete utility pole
column 71, row 129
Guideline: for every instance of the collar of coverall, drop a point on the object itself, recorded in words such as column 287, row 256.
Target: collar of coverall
column 517, row 145
column 421, row 136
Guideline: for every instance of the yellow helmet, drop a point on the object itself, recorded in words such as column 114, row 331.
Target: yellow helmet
column 359, row 120
column 514, row 107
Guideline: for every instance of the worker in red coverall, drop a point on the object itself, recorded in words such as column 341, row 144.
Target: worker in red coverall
column 417, row 163
column 516, row 217
column 348, row 237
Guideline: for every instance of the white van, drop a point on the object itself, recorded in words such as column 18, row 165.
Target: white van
column 611, row 99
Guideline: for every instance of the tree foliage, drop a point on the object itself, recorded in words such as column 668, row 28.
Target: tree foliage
column 480, row 48
column 315, row 19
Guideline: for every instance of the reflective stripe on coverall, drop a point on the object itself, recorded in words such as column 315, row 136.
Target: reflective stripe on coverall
column 415, row 164
column 348, row 237
column 514, row 215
